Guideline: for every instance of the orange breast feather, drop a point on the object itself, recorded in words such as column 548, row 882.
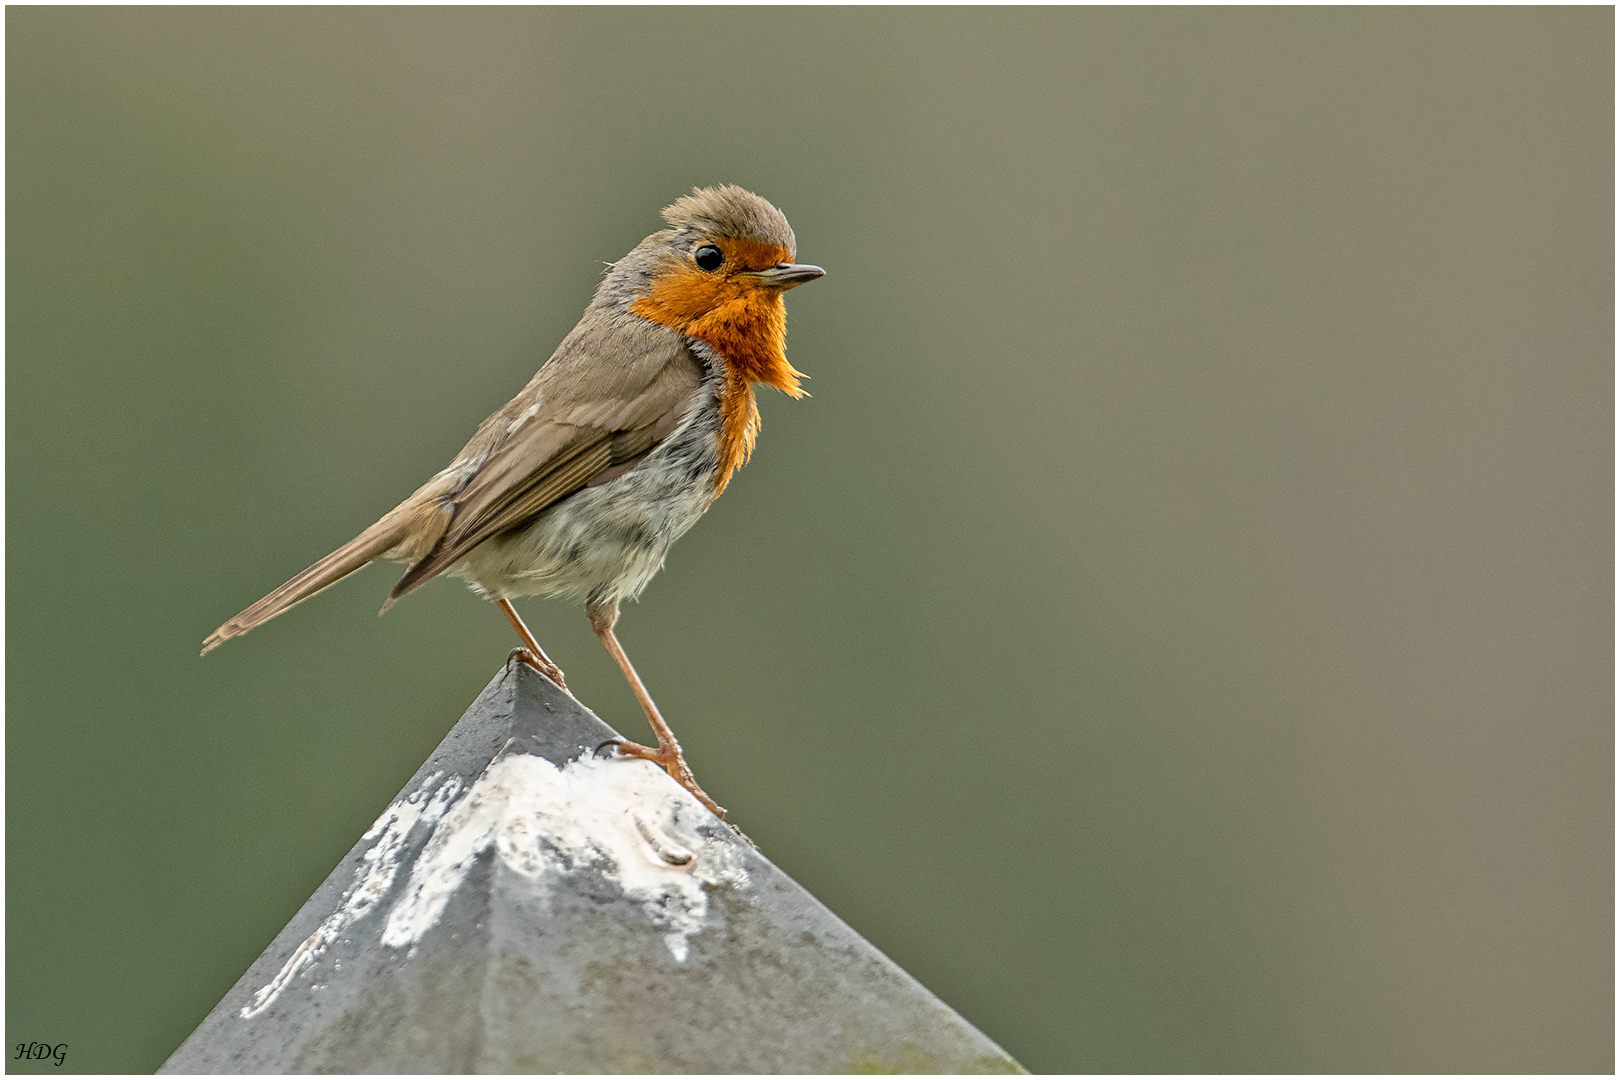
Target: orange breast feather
column 744, row 322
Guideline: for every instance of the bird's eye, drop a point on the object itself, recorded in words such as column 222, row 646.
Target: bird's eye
column 708, row 258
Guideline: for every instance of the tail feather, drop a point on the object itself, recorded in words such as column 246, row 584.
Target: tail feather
column 387, row 533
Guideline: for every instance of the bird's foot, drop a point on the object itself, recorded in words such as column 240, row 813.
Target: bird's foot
column 540, row 664
column 669, row 757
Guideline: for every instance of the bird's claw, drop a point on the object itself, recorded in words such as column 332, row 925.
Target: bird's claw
column 540, row 664
column 673, row 763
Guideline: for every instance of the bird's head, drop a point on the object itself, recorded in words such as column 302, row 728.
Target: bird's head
column 718, row 274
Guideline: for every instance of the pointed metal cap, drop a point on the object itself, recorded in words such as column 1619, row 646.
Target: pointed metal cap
column 525, row 906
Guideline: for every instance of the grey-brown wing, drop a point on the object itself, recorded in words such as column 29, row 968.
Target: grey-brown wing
column 546, row 459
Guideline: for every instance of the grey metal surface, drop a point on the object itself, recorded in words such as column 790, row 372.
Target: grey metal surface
column 463, row 935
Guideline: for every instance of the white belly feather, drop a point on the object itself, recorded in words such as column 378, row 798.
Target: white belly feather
column 606, row 543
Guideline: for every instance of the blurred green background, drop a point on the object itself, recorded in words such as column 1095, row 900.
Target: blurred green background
column 1178, row 629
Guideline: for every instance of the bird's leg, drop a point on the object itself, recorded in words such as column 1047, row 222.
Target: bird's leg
column 531, row 654
column 668, row 754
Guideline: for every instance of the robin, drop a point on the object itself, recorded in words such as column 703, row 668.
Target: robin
column 578, row 486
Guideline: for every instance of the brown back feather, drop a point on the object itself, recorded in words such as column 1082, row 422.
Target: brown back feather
column 616, row 387
column 644, row 378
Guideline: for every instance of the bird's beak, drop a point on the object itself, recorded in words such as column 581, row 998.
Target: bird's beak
column 785, row 275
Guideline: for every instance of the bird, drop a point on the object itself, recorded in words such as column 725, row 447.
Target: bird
column 577, row 487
